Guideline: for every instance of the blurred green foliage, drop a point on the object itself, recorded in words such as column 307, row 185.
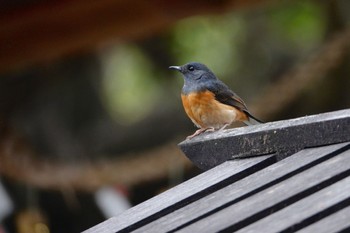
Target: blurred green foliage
column 128, row 86
column 299, row 26
column 246, row 49
column 210, row 40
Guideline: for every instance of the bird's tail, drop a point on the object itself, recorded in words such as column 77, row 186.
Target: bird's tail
column 252, row 120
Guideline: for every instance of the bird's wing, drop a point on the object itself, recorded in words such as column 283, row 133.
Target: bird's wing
column 224, row 95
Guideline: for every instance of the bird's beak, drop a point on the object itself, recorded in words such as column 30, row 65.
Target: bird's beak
column 175, row 68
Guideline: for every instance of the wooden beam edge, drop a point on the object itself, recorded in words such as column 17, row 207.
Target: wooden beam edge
column 211, row 149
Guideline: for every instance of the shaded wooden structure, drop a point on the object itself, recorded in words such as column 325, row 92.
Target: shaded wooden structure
column 33, row 32
column 278, row 189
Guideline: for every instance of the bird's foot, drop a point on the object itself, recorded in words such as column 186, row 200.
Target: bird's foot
column 200, row 131
column 223, row 127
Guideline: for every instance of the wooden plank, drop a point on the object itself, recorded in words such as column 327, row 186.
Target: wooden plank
column 271, row 199
column 209, row 150
column 333, row 223
column 190, row 212
column 186, row 192
column 303, row 209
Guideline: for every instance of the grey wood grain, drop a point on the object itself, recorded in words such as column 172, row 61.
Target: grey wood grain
column 209, row 150
column 302, row 209
column 239, row 189
column 333, row 223
column 236, row 213
column 184, row 191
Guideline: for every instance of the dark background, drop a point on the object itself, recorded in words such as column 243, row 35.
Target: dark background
column 87, row 102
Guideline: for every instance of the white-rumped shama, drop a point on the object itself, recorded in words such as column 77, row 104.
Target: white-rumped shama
column 210, row 103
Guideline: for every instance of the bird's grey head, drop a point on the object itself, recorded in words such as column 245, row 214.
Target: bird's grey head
column 196, row 76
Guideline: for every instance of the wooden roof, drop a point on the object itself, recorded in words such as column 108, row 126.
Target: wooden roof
column 282, row 191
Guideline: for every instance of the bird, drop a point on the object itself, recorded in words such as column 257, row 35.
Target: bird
column 208, row 102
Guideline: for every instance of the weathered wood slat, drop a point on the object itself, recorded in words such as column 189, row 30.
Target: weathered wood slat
column 302, row 209
column 240, row 188
column 209, row 150
column 188, row 191
column 276, row 197
column 333, row 223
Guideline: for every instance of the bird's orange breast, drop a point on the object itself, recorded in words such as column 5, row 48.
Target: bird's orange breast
column 205, row 111
column 196, row 105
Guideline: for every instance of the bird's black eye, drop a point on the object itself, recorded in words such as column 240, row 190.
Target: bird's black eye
column 191, row 68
